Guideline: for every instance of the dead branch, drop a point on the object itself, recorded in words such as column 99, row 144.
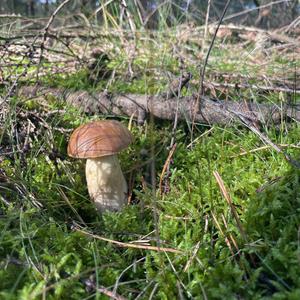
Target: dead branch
column 263, row 88
column 213, row 111
column 45, row 32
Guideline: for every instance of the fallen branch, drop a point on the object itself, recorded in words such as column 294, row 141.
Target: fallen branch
column 213, row 111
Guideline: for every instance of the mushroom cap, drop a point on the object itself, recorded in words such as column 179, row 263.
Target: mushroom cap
column 99, row 138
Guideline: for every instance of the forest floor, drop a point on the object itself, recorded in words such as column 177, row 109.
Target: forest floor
column 214, row 211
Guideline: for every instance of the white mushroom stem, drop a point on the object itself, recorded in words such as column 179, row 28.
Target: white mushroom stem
column 106, row 183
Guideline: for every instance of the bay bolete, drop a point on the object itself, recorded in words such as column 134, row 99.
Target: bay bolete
column 99, row 142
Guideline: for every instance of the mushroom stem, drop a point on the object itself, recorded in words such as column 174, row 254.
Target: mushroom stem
column 106, row 184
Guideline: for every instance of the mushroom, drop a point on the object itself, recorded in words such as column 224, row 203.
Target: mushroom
column 100, row 142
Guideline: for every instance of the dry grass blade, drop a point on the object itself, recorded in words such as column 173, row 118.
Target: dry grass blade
column 230, row 235
column 202, row 73
column 265, row 148
column 220, row 229
column 66, row 199
column 199, row 137
column 128, row 245
column 192, row 257
column 165, row 167
column 229, row 201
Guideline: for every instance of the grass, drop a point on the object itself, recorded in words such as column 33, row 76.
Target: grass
column 44, row 199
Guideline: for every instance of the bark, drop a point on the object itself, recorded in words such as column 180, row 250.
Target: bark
column 186, row 108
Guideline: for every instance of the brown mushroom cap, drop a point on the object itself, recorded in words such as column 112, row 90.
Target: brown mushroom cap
column 99, row 138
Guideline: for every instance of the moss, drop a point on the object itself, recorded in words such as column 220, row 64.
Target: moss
column 44, row 199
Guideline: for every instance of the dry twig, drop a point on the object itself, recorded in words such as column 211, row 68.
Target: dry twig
column 128, row 245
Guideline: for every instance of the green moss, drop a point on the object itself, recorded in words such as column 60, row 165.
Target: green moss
column 45, row 198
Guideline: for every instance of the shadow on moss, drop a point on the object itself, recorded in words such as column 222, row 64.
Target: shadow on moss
column 272, row 224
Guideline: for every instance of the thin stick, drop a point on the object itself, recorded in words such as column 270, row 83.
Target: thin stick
column 45, row 33
column 200, row 93
column 202, row 73
column 128, row 245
